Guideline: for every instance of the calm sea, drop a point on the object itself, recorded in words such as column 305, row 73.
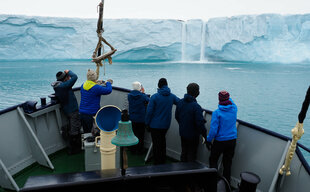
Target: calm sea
column 268, row 95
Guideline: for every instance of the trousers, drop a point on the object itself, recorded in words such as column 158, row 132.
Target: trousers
column 189, row 149
column 227, row 148
column 159, row 145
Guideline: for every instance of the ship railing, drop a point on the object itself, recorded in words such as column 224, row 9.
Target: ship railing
column 13, row 124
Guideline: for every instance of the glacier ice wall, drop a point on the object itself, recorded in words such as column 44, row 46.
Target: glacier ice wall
column 267, row 38
column 23, row 37
column 261, row 38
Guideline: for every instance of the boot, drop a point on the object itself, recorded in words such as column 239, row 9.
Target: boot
column 70, row 145
column 78, row 143
column 74, row 144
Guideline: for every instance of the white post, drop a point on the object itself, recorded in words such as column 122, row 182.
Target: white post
column 107, row 149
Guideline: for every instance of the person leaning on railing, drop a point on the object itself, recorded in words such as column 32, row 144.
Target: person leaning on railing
column 63, row 91
column 191, row 123
column 138, row 101
column 158, row 118
column 91, row 93
column 223, row 131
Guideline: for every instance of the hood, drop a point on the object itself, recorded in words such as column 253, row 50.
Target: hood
column 135, row 94
column 56, row 83
column 165, row 90
column 188, row 98
column 227, row 107
column 88, row 85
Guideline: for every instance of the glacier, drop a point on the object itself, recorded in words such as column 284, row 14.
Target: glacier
column 266, row 38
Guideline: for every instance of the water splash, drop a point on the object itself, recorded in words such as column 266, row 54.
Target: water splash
column 183, row 51
column 203, row 41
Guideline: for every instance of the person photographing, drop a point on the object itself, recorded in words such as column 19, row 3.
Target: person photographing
column 91, row 91
column 64, row 93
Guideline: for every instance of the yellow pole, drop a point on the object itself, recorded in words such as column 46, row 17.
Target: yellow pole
column 297, row 132
column 107, row 149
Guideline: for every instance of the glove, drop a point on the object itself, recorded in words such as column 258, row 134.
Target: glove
column 110, row 80
column 208, row 145
column 100, row 82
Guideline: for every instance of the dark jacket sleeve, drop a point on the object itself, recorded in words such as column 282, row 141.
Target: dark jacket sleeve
column 71, row 81
column 200, row 122
column 177, row 113
column 150, row 110
column 176, row 100
column 147, row 99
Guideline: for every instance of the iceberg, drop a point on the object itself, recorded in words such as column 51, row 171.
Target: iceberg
column 267, row 38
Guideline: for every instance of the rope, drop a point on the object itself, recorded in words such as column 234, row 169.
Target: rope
column 304, row 109
column 97, row 57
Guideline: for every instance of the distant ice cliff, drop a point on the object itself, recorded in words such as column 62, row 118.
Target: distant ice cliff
column 268, row 38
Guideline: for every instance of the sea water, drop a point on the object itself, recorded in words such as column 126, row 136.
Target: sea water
column 267, row 95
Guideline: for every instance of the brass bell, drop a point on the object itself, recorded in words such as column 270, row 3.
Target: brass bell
column 125, row 136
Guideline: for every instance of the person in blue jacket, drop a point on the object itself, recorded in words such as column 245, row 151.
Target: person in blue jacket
column 138, row 101
column 191, row 123
column 63, row 92
column 91, row 93
column 223, row 131
column 158, row 118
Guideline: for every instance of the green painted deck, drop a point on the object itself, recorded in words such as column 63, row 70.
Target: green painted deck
column 64, row 163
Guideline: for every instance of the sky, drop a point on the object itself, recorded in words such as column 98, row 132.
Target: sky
column 153, row 9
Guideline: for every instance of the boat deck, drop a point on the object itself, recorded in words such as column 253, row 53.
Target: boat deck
column 65, row 163
column 159, row 178
column 40, row 144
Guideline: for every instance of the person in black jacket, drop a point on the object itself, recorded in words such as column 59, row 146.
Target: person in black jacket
column 138, row 101
column 63, row 91
column 191, row 123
